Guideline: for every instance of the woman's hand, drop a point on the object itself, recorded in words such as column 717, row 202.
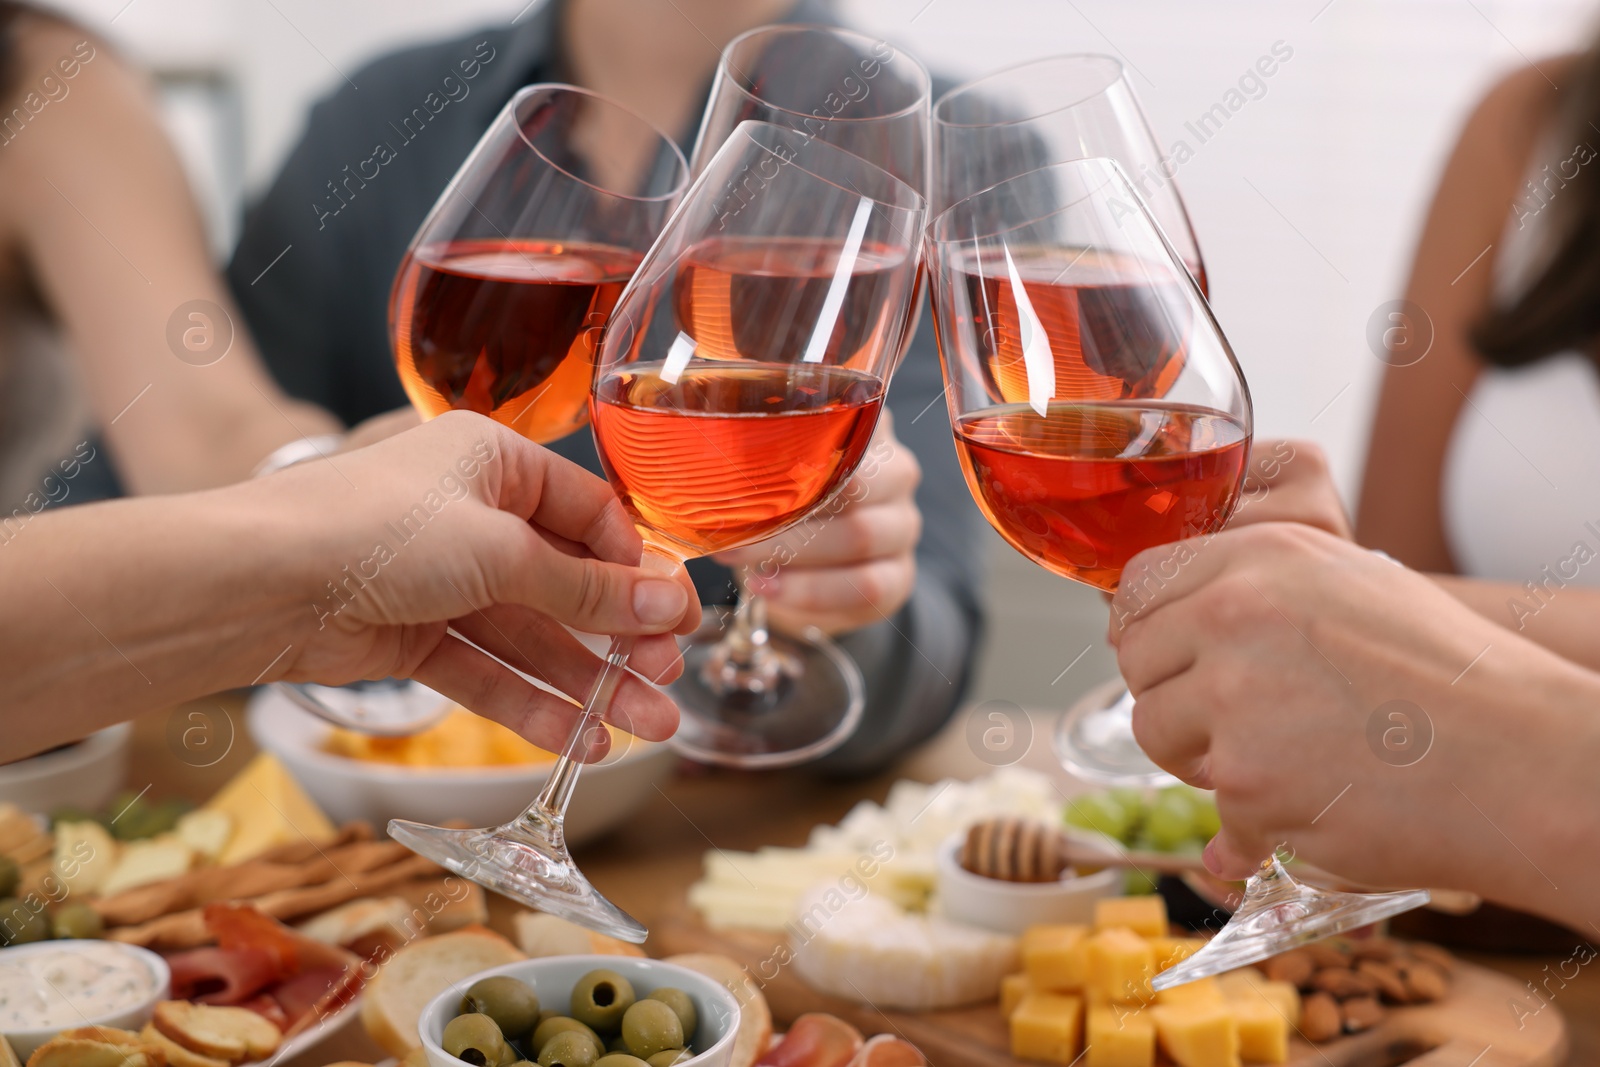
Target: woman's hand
column 853, row 563
column 1352, row 710
column 462, row 524
column 1289, row 481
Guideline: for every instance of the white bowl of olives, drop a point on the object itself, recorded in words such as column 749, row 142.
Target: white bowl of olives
column 582, row 1011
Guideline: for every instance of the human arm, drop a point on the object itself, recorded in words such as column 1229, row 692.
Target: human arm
column 1260, row 663
column 100, row 212
column 333, row 571
column 1433, row 365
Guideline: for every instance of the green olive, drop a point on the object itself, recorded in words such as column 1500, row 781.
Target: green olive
column 560, row 1024
column 570, row 1048
column 510, row 1002
column 617, row 1043
column 651, row 1026
column 10, row 876
column 679, row 1001
column 620, row 1059
column 21, row 924
column 670, row 1057
column 76, row 920
column 601, row 998
column 475, row 1039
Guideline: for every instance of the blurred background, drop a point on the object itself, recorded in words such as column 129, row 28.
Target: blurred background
column 1307, row 201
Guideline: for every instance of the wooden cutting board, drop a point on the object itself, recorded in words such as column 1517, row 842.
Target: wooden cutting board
column 1473, row 1027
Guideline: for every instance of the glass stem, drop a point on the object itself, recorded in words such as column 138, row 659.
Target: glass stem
column 551, row 805
column 747, row 635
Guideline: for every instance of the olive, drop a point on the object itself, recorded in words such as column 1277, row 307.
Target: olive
column 77, row 921
column 600, row 999
column 10, row 876
column 679, row 1001
column 619, row 1059
column 570, row 1048
column 670, row 1057
column 20, row 924
column 617, row 1043
column 560, row 1024
column 475, row 1039
column 650, row 1027
column 510, row 1002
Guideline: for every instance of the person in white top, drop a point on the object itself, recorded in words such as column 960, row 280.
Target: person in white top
column 1484, row 459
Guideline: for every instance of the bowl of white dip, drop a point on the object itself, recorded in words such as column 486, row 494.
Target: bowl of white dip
column 51, row 986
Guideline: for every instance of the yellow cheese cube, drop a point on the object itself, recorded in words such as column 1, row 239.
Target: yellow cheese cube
column 268, row 808
column 1048, row 1027
column 1263, row 1032
column 1198, row 1035
column 1200, row 991
column 1142, row 915
column 1119, row 1036
column 1121, row 965
column 1248, row 984
column 1056, row 958
column 1174, row 950
column 1013, row 987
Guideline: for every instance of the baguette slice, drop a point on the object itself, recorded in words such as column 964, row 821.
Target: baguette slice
column 232, row 1034
column 755, row 1017
column 392, row 1001
column 177, row 1055
column 541, row 935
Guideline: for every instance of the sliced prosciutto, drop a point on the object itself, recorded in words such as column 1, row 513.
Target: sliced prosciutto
column 226, row 976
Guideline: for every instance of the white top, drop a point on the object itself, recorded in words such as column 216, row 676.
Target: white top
column 1522, row 473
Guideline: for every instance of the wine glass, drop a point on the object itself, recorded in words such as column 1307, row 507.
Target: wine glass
column 1014, row 121
column 752, row 696
column 735, row 391
column 499, row 299
column 1098, row 411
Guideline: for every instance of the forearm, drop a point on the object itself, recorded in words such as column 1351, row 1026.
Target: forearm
column 916, row 668
column 1564, row 618
column 111, row 610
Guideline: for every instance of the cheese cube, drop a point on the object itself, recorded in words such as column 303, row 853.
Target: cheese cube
column 1200, row 991
column 1119, row 1036
column 1143, row 915
column 1197, row 1035
column 1121, row 965
column 1174, row 950
column 1263, row 1032
column 1248, row 984
column 1048, row 1027
column 1056, row 958
column 268, row 808
column 1013, row 987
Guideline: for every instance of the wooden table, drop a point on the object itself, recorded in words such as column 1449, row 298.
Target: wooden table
column 647, row 865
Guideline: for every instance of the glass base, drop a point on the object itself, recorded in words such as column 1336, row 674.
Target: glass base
column 1278, row 913
column 1096, row 744
column 804, row 706
column 526, row 860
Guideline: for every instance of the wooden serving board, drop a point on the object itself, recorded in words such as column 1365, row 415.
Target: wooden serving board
column 1473, row 1027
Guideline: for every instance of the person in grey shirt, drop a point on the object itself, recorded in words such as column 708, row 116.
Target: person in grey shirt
column 313, row 269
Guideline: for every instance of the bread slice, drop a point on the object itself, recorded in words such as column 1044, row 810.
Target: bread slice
column 392, row 1001
column 232, row 1034
column 82, row 1052
column 541, row 935
column 755, row 1017
column 177, row 1055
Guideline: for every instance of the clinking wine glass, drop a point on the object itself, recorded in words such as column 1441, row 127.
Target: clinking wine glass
column 722, row 423
column 1016, row 120
column 499, row 299
column 753, row 696
column 1046, row 289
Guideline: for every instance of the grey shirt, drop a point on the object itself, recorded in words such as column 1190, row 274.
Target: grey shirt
column 312, row 273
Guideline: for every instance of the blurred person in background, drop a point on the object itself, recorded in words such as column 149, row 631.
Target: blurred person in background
column 114, row 324
column 1482, row 460
column 378, row 153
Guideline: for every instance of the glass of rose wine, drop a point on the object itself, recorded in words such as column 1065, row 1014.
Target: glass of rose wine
column 505, row 287
column 721, row 424
column 1098, row 411
column 1014, row 121
column 753, row 695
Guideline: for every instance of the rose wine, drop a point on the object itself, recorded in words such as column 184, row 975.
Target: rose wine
column 505, row 328
column 1083, row 488
column 726, row 454
column 1115, row 328
column 765, row 299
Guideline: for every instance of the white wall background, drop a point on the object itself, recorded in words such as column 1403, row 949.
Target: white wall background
column 1306, row 203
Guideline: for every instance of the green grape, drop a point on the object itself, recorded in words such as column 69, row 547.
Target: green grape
column 1170, row 825
column 1206, row 820
column 1099, row 812
column 1139, row 882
